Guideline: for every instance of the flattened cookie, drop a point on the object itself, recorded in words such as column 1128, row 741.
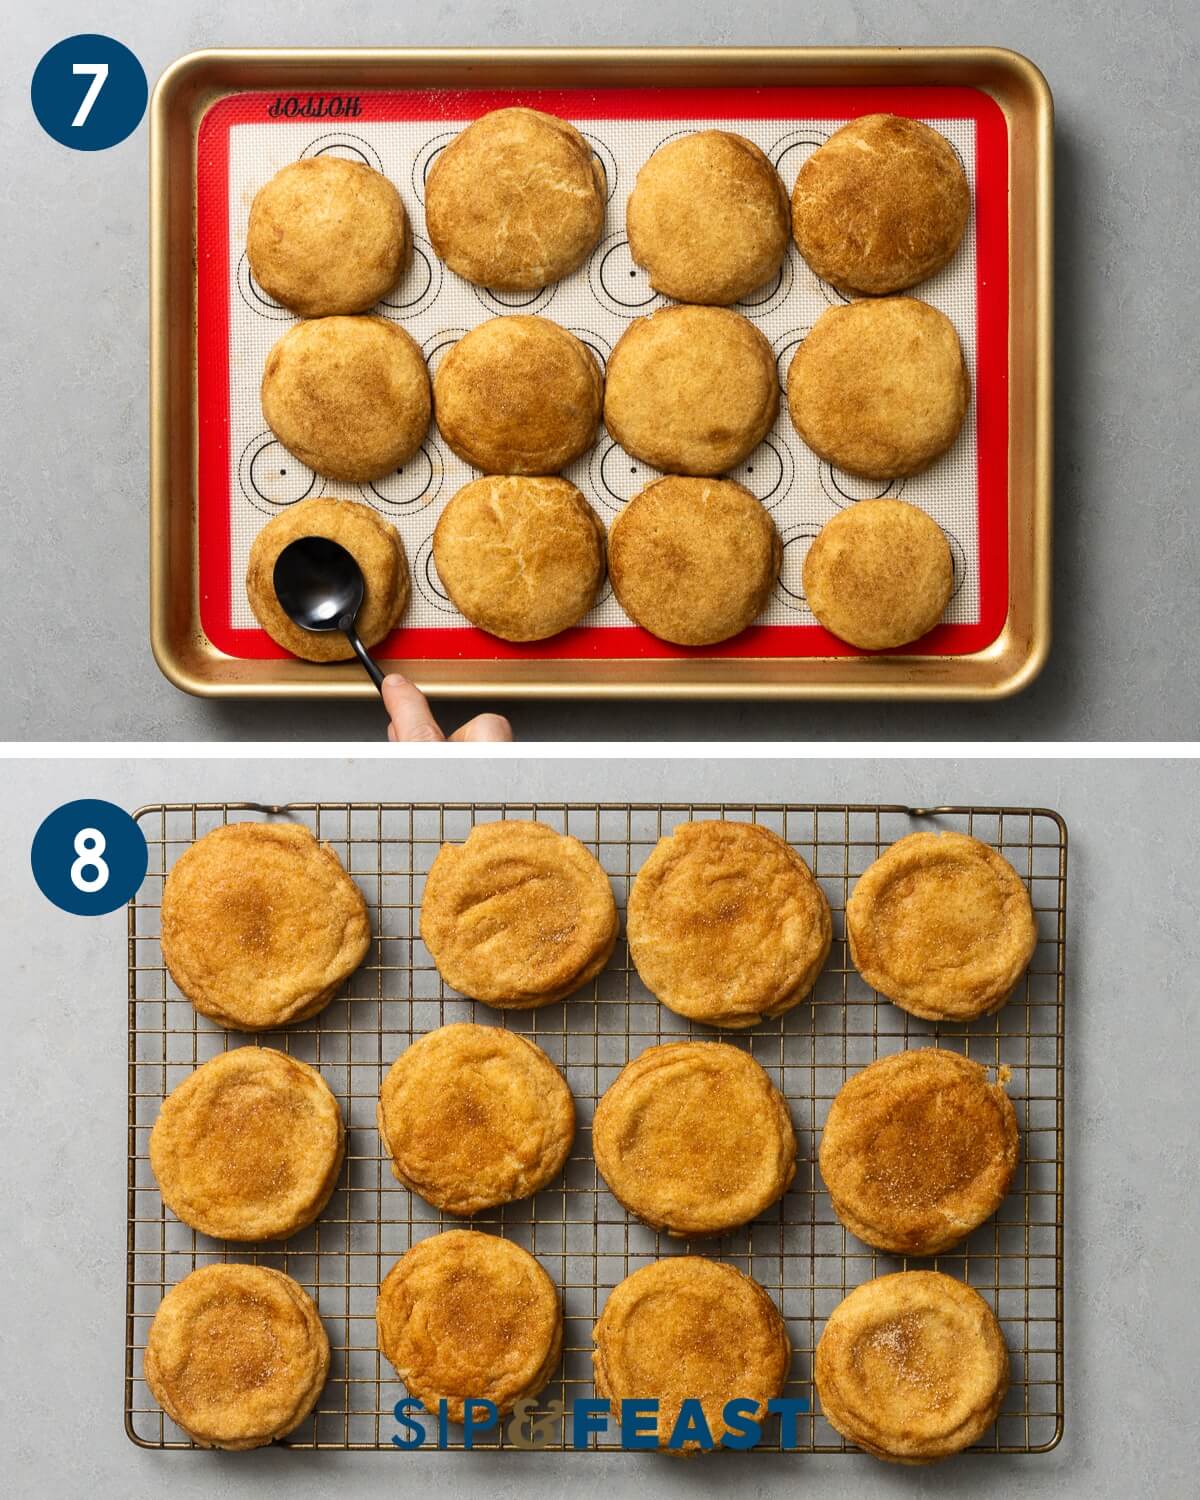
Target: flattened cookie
column 882, row 205
column 879, row 388
column 942, row 925
column 522, row 558
column 694, row 1138
column 516, row 201
column 474, row 1116
column 236, row 1355
column 464, row 1314
column 879, row 574
column 348, row 396
column 518, row 395
column 912, row 1367
column 691, row 390
column 690, row 1327
column 918, row 1150
column 518, row 916
column 708, row 218
column 726, row 924
column 376, row 547
column 261, row 926
column 327, row 236
column 694, row 560
column 249, row 1146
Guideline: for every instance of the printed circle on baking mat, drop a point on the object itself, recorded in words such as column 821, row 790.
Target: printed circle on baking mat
column 772, row 294
column 346, row 144
column 598, row 346
column 270, row 477
column 958, row 557
column 425, row 158
column 438, row 345
column 607, row 160
column 791, row 151
column 785, row 350
column 429, row 585
column 529, row 303
column 844, row 489
column 615, row 477
column 414, row 485
column 618, row 283
column 419, row 286
column 768, row 472
column 790, row 588
column 256, row 299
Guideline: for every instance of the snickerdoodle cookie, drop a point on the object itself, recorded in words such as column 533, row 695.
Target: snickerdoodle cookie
column 882, row 205
column 912, row 1367
column 694, row 1138
column 942, row 925
column 519, row 915
column 249, row 1146
column 348, row 396
column 515, row 201
column 918, row 1150
column 376, row 547
column 879, row 574
column 521, row 557
column 236, row 1355
column 694, row 560
column 474, row 1116
column 726, row 924
column 327, row 236
column 518, row 395
column 464, row 1315
column 879, row 388
column 691, row 390
column 708, row 218
column 261, row 925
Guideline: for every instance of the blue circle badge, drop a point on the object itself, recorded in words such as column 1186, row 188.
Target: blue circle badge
column 89, row 857
column 89, row 92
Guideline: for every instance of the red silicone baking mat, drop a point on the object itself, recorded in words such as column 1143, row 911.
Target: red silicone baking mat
column 245, row 476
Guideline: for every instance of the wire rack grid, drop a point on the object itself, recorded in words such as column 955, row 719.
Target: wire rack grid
column 797, row 1250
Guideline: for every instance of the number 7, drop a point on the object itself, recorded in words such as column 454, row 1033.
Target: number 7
column 99, row 72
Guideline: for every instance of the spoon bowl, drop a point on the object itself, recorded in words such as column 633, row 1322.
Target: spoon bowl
column 320, row 587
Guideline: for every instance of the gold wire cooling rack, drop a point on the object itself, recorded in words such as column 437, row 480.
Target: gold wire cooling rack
column 585, row 1240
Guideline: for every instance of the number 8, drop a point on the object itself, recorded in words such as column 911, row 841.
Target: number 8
column 89, row 846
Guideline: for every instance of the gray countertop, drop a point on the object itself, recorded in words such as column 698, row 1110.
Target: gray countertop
column 73, row 384
column 1132, row 1140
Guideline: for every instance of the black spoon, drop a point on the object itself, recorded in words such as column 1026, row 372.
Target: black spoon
column 320, row 587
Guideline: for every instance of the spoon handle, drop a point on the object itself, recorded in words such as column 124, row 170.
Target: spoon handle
column 374, row 670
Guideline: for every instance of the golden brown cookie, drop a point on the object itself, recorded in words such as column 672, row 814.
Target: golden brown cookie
column 879, row 388
column 518, row 395
column 942, row 925
column 327, row 236
column 474, row 1116
column 726, row 924
column 518, row 916
column 376, row 547
column 708, row 218
column 918, row 1150
column 689, row 1327
column 694, row 1138
column 261, row 926
column 522, row 558
column 249, row 1146
column 236, row 1355
column 879, row 574
column 694, row 560
column 912, row 1367
column 515, row 201
column 691, row 390
column 882, row 205
column 464, row 1314
column 348, row 396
